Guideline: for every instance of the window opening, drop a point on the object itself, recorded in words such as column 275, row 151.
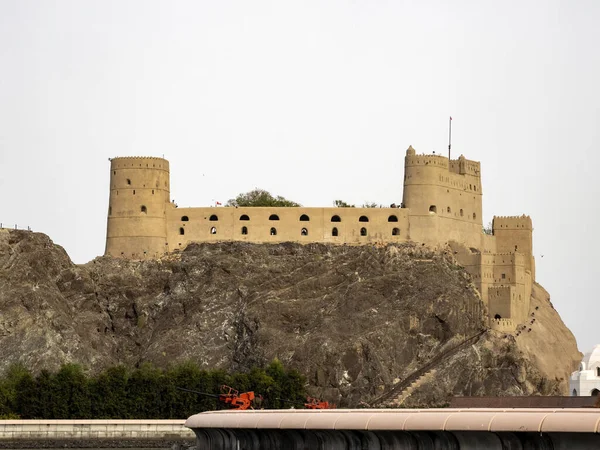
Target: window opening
column 152, row 191
column 503, row 276
column 134, row 192
column 363, row 219
column 273, row 231
column 363, row 231
column 474, row 216
column 185, row 218
column 244, row 217
column 144, row 209
column 304, row 218
column 304, row 232
column 181, row 231
column 393, row 218
column 109, row 210
column 334, row 232
column 213, row 218
column 244, row 230
column 213, row 230
column 396, row 232
column 273, row 217
column 497, row 316
column 336, row 219
column 433, row 209
column 449, row 210
column 462, row 213
column 128, row 181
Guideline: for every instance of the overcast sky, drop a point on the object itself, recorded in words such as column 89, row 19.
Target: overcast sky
column 312, row 100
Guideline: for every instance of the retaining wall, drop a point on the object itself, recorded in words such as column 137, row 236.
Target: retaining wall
column 93, row 429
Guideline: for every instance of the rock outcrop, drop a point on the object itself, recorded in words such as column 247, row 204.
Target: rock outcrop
column 358, row 321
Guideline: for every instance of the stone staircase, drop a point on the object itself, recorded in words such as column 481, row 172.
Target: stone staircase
column 402, row 390
column 399, row 400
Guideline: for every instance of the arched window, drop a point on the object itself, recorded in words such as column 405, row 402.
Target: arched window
column 363, row 231
column 598, row 371
column 128, row 181
column 304, row 232
column 213, row 218
column 396, row 232
column 363, row 219
column 334, row 231
column 273, row 231
column 244, row 217
column 393, row 218
column 497, row 316
column 181, row 230
column 244, row 230
column 213, row 230
column 144, row 209
column 449, row 210
column 304, row 218
column 336, row 219
column 574, row 393
column 185, row 218
column 433, row 209
column 594, row 392
column 274, row 217
column 474, row 216
column 461, row 213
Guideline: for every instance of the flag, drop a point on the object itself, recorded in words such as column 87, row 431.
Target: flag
column 450, row 117
column 218, row 203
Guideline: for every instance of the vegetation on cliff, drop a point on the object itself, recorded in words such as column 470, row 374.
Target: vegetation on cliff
column 260, row 197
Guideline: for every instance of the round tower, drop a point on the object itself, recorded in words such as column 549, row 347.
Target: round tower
column 139, row 198
column 444, row 197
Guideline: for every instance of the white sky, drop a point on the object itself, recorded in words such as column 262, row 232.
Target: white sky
column 312, row 100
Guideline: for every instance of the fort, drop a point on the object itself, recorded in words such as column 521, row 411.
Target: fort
column 441, row 206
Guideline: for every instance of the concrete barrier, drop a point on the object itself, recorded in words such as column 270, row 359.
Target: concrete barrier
column 11, row 430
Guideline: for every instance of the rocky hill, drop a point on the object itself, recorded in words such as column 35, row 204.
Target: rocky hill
column 362, row 323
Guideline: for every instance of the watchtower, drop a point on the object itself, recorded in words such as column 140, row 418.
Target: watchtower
column 444, row 197
column 139, row 198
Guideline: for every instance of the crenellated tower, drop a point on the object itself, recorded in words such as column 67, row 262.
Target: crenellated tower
column 444, row 197
column 139, row 198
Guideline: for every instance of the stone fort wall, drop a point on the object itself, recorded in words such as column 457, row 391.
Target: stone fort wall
column 442, row 203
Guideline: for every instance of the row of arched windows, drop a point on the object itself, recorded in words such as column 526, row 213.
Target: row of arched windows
column 303, row 231
column 303, row 218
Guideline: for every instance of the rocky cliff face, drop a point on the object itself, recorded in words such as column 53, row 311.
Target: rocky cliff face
column 357, row 321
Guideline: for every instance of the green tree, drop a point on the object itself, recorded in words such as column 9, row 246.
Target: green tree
column 26, row 398
column 145, row 393
column 343, row 204
column 260, row 197
column 71, row 399
column 108, row 392
column 183, row 404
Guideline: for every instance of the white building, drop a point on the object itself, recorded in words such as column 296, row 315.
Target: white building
column 586, row 380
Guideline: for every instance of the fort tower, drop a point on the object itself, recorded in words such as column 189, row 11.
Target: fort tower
column 139, row 198
column 444, row 197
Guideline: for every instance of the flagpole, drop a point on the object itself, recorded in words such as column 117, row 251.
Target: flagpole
column 449, row 137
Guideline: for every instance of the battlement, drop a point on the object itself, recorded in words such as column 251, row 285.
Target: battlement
column 139, row 162
column 512, row 223
column 460, row 166
column 504, row 325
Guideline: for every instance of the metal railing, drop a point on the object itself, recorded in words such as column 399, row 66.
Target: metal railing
column 4, row 226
